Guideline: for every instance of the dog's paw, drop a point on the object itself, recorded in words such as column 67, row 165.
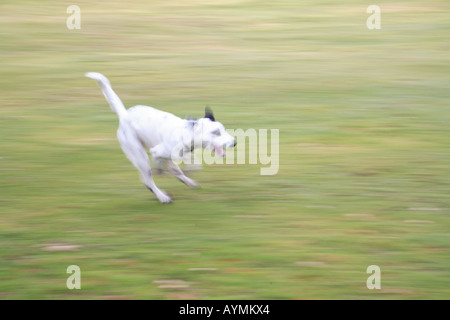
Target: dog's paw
column 193, row 184
column 189, row 182
column 165, row 199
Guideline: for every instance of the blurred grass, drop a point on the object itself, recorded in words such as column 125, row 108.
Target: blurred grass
column 364, row 170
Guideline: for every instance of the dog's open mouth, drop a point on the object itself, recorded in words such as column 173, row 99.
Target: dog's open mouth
column 219, row 151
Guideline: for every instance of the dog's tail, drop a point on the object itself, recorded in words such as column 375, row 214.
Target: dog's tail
column 112, row 98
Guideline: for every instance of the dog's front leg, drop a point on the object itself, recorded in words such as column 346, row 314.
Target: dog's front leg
column 160, row 152
column 159, row 165
column 177, row 172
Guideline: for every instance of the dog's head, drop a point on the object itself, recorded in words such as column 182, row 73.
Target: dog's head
column 211, row 134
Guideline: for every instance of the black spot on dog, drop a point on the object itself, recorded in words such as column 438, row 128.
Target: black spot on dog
column 150, row 189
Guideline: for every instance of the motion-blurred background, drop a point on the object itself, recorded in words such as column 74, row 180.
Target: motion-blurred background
column 364, row 171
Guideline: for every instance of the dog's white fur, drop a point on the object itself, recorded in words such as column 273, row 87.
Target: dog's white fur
column 165, row 135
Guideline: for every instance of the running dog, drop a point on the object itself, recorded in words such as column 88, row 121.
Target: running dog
column 165, row 135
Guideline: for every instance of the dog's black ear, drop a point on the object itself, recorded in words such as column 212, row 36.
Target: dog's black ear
column 209, row 114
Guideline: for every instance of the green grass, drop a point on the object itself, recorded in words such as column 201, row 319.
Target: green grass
column 364, row 171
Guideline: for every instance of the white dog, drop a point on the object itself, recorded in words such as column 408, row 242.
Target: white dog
column 166, row 136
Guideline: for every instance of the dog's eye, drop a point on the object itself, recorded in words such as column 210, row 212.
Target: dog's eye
column 216, row 132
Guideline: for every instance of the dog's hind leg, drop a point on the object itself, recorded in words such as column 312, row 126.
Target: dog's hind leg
column 136, row 153
column 177, row 172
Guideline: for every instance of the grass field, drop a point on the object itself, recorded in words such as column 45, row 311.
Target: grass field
column 364, row 150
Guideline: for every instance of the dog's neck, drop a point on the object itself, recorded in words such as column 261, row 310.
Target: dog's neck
column 188, row 135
